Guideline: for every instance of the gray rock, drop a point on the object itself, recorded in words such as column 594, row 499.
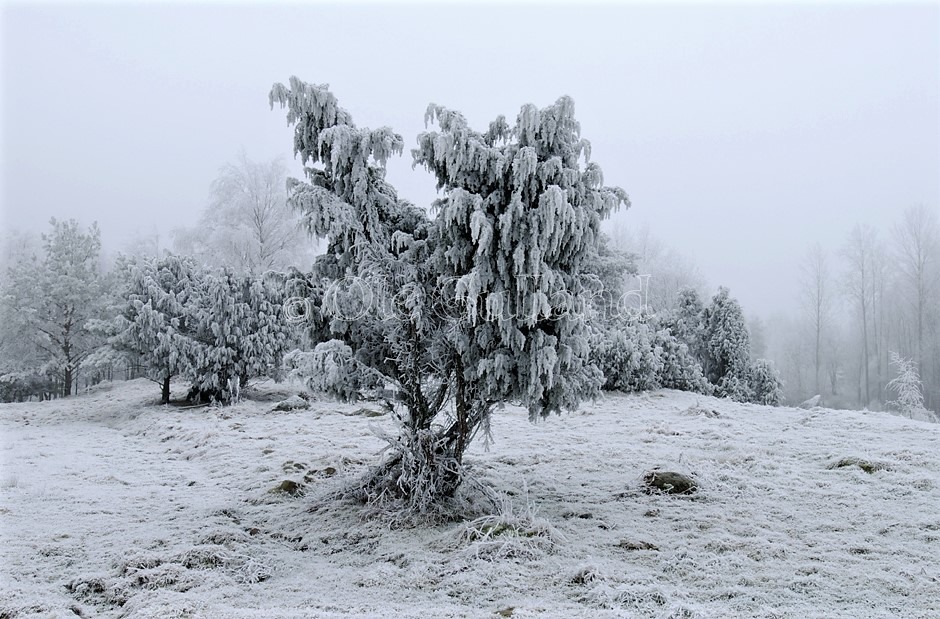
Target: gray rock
column 289, row 487
column 631, row 545
column 668, row 482
column 293, row 403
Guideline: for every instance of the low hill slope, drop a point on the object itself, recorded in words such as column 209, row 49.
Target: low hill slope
column 111, row 505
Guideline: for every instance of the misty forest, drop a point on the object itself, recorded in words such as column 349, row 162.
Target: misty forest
column 315, row 397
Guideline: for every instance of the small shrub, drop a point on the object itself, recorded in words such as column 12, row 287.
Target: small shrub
column 510, row 534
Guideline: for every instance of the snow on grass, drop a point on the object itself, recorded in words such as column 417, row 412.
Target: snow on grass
column 114, row 506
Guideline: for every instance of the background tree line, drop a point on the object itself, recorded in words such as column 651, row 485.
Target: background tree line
column 482, row 286
column 874, row 295
column 71, row 317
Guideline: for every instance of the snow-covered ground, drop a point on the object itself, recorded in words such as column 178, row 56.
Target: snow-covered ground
column 113, row 506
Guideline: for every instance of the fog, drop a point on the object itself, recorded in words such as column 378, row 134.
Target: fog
column 741, row 133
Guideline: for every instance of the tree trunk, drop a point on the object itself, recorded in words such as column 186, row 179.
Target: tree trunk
column 165, row 393
column 920, row 324
column 865, row 352
column 67, row 382
column 818, row 390
column 426, row 468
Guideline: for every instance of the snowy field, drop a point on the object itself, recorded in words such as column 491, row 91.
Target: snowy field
column 113, row 506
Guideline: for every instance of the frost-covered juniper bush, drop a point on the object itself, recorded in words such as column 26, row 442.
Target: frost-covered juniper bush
column 215, row 328
column 516, row 229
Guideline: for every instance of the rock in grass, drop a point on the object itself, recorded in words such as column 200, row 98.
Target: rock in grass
column 698, row 409
column 631, row 545
column 668, row 482
column 288, row 487
column 293, row 403
column 866, row 465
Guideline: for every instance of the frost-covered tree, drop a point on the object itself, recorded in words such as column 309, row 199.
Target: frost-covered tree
column 332, row 368
column 859, row 254
column 20, row 386
column 19, row 257
column 670, row 272
column 764, row 383
column 216, row 329
column 917, row 254
column 626, row 354
column 727, row 346
column 909, row 390
column 247, row 226
column 687, row 322
column 153, row 323
column 467, row 310
column 24, row 371
column 816, row 296
column 143, row 244
column 237, row 332
column 758, row 334
column 608, row 298
column 718, row 339
column 53, row 297
column 680, row 369
column 636, row 352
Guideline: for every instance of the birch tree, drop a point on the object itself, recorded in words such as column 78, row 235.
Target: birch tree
column 247, row 226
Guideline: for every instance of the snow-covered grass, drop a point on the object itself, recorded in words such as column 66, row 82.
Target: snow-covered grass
column 114, row 506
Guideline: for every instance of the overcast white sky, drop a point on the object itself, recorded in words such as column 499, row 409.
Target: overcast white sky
column 742, row 133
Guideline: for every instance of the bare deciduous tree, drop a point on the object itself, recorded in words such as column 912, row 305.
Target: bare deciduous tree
column 669, row 270
column 916, row 240
column 859, row 255
column 816, row 295
column 248, row 225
